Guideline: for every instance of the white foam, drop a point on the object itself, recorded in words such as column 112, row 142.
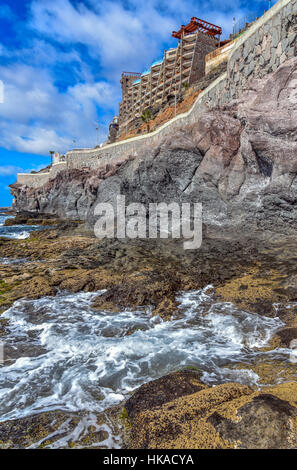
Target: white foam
column 66, row 355
column 17, row 232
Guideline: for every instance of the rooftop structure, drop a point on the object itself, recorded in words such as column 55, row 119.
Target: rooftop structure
column 198, row 24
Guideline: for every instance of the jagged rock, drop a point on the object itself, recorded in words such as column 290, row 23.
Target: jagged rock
column 286, row 336
column 267, row 422
column 225, row 416
column 163, row 390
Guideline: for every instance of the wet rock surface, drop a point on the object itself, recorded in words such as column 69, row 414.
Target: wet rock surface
column 226, row 416
column 287, row 335
column 163, row 390
column 58, row 428
column 264, row 423
column 178, row 410
column 248, row 272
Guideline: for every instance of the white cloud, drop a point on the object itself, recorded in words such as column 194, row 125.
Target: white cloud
column 37, row 116
column 119, row 37
column 8, row 170
column 40, row 52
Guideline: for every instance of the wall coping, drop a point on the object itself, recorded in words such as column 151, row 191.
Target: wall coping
column 34, row 174
column 43, row 173
column 214, row 84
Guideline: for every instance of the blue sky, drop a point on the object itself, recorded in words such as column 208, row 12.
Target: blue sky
column 61, row 61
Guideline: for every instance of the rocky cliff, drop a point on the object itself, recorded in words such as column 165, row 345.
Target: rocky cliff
column 240, row 161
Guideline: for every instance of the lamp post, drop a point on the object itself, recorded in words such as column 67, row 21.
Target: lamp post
column 97, row 133
column 175, row 98
column 97, row 138
column 126, row 116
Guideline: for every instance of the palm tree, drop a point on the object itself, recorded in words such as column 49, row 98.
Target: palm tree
column 51, row 154
column 146, row 117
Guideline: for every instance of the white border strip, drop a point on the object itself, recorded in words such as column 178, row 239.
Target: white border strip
column 157, row 131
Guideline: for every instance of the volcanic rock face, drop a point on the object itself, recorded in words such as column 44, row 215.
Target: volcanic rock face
column 197, row 416
column 239, row 161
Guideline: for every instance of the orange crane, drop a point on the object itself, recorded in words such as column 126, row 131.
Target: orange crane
column 198, row 24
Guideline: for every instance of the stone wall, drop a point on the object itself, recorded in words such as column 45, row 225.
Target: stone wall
column 56, row 168
column 261, row 49
column 268, row 43
column 33, row 180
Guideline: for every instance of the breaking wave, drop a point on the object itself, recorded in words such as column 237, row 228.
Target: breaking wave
column 62, row 354
column 16, row 231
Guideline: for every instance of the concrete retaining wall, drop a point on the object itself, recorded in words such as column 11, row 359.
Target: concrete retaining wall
column 217, row 57
column 35, row 180
column 55, row 169
column 270, row 41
